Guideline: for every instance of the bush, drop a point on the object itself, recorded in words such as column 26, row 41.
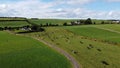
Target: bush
column 102, row 22
column 65, row 24
column 88, row 21
column 37, row 28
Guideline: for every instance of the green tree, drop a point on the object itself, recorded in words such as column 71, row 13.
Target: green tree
column 37, row 28
column 88, row 21
column 102, row 22
column 65, row 24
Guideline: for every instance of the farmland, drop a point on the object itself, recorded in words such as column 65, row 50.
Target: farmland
column 114, row 27
column 100, row 21
column 93, row 46
column 88, row 52
column 97, row 33
column 11, row 18
column 13, row 23
column 25, row 52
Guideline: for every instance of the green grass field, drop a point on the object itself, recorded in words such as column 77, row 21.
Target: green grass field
column 79, row 41
column 13, row 23
column 24, row 52
column 89, row 53
column 11, row 18
column 93, row 31
column 99, row 21
column 114, row 27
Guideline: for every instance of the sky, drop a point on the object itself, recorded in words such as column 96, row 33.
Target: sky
column 97, row 9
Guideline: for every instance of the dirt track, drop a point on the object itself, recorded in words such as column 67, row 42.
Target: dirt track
column 69, row 57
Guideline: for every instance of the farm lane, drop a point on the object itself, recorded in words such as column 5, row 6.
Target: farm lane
column 69, row 57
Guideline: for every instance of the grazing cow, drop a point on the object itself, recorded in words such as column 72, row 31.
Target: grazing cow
column 90, row 45
column 99, row 49
column 81, row 42
column 105, row 63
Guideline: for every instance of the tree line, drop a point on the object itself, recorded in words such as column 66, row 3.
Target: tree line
column 79, row 22
column 88, row 22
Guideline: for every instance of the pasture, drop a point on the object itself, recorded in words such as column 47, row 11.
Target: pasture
column 89, row 53
column 113, row 27
column 84, row 42
column 24, row 52
column 100, row 21
column 98, row 32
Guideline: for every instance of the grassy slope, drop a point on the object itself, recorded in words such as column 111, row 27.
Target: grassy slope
column 88, row 58
column 93, row 32
column 24, row 52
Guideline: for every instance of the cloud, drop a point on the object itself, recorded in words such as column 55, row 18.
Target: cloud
column 27, row 8
column 85, row 13
column 113, row 0
column 73, row 2
column 78, row 1
column 2, row 6
column 40, row 9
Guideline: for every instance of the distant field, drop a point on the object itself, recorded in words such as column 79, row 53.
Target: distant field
column 12, row 18
column 13, row 23
column 100, row 21
column 93, row 31
column 52, row 21
column 89, row 53
column 114, row 27
column 61, row 21
column 24, row 52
